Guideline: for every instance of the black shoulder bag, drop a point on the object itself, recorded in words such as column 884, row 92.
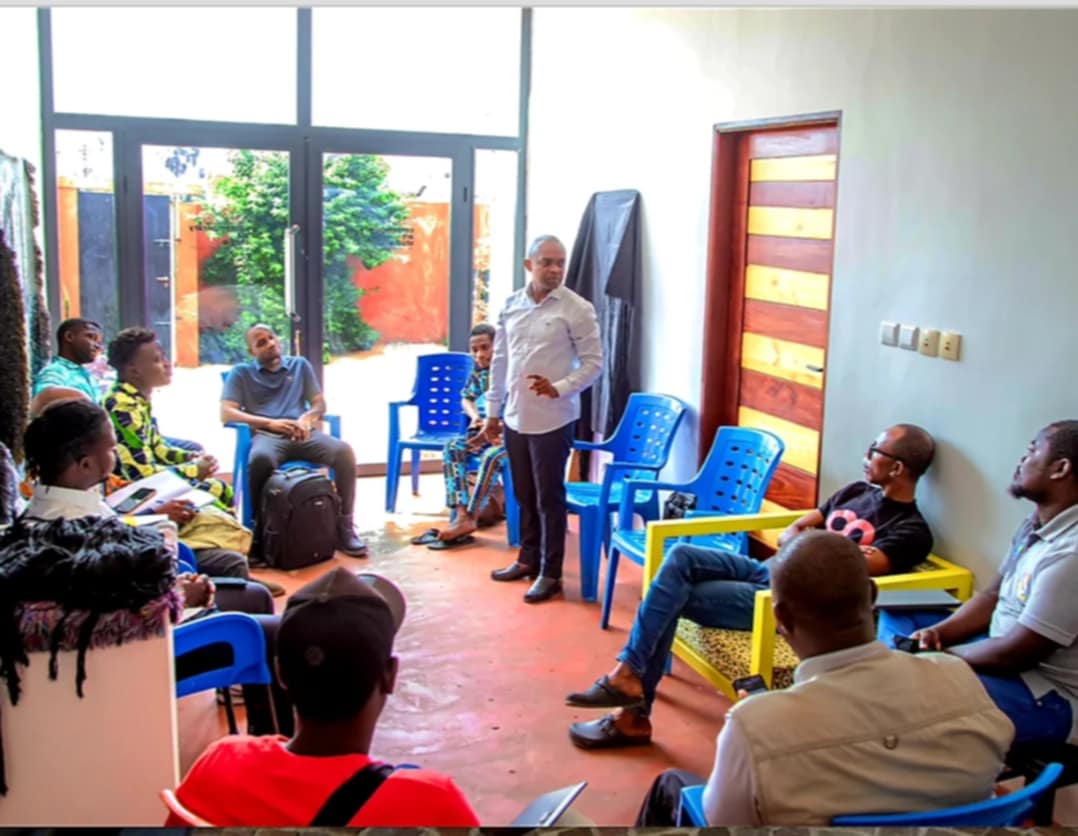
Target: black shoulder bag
column 349, row 798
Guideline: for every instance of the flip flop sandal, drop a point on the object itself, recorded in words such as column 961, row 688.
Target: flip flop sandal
column 442, row 545
column 428, row 536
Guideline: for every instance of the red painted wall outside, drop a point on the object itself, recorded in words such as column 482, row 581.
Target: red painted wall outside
column 407, row 298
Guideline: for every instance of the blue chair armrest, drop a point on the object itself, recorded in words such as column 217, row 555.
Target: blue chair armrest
column 691, row 810
column 591, row 445
column 334, row 422
column 628, row 493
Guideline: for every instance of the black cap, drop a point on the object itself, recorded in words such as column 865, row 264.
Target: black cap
column 339, row 628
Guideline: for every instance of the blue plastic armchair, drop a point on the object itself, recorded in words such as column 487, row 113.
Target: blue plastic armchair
column 436, row 397
column 732, row 480
column 640, row 446
column 242, row 495
column 1008, row 810
column 247, row 641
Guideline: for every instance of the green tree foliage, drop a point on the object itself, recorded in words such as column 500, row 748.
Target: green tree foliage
column 363, row 222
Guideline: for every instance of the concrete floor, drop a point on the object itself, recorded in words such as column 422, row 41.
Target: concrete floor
column 483, row 676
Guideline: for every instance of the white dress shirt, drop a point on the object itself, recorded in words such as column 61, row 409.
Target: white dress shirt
column 50, row 502
column 557, row 338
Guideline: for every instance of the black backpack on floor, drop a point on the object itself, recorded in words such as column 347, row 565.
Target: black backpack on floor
column 299, row 518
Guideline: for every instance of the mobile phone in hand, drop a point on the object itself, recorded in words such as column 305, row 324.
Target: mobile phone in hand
column 750, row 684
column 135, row 500
column 906, row 644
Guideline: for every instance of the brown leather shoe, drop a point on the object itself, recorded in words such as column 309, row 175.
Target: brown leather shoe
column 542, row 590
column 513, row 572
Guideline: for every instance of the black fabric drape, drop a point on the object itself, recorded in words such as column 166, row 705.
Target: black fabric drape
column 605, row 268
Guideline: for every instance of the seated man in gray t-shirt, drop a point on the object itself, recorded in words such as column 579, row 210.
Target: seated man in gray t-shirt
column 280, row 399
column 1029, row 661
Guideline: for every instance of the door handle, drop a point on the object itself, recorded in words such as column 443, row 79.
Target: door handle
column 814, row 368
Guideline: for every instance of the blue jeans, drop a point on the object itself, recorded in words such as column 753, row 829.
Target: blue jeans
column 1049, row 718
column 714, row 588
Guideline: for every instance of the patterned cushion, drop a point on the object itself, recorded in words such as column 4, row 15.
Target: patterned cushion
column 730, row 651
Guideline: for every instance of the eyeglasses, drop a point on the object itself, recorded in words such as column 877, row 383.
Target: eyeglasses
column 873, row 449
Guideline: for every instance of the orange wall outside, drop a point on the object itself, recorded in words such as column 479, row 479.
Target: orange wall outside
column 407, row 298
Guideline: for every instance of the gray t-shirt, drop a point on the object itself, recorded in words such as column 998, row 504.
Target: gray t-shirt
column 1039, row 590
column 284, row 393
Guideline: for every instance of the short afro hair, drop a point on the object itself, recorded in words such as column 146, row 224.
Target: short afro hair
column 126, row 344
column 1063, row 443
column 915, row 448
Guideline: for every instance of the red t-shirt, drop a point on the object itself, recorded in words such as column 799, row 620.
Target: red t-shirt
column 243, row 781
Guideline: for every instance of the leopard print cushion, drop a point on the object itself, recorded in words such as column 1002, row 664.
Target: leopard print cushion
column 729, row 651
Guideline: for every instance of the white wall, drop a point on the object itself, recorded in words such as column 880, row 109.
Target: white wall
column 20, row 124
column 956, row 209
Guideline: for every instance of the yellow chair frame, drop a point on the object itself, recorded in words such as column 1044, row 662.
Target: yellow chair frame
column 945, row 575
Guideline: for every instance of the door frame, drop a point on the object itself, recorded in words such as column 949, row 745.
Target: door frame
column 721, row 364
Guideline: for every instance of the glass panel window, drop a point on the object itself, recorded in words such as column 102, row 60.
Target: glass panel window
column 214, row 223
column 443, row 70
column 194, row 62
column 494, row 261
column 385, row 262
column 86, row 229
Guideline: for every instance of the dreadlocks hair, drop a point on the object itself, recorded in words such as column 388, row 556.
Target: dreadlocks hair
column 124, row 345
column 73, row 324
column 61, row 435
column 1063, row 443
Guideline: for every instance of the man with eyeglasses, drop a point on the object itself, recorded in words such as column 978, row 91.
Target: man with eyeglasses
column 717, row 588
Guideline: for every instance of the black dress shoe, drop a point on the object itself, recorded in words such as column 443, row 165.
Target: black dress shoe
column 542, row 590
column 513, row 572
column 603, row 694
column 347, row 541
column 604, row 734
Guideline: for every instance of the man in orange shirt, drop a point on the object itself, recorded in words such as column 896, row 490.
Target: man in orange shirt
column 335, row 659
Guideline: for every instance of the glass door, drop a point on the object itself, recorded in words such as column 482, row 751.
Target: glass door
column 214, row 224
column 385, row 257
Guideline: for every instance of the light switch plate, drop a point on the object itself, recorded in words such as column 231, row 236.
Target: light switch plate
column 929, row 344
column 888, row 333
column 950, row 345
column 908, row 337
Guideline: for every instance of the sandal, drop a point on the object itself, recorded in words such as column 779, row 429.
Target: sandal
column 428, row 536
column 442, row 545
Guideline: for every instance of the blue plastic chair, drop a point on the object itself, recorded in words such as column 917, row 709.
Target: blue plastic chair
column 248, row 642
column 439, row 380
column 185, row 559
column 732, row 480
column 241, row 495
column 1003, row 811
column 640, row 446
column 690, row 812
column 1008, row 810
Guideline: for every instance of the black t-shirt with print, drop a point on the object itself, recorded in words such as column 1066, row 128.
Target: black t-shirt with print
column 861, row 512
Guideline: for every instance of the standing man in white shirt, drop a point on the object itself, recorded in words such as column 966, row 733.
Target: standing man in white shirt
column 546, row 352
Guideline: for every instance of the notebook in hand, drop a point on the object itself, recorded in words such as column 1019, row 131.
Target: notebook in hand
column 548, row 808
column 915, row 599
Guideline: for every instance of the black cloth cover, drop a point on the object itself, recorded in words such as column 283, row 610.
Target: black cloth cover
column 606, row 269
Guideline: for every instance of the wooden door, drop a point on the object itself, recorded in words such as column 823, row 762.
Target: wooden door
column 769, row 294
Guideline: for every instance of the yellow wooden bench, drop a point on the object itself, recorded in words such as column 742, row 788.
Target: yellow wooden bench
column 721, row 656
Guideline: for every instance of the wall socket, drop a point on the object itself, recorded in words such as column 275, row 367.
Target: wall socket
column 929, row 343
column 950, row 345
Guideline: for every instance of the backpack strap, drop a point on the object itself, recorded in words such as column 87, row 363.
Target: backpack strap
column 349, row 798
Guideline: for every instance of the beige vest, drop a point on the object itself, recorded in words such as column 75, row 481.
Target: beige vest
column 894, row 733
